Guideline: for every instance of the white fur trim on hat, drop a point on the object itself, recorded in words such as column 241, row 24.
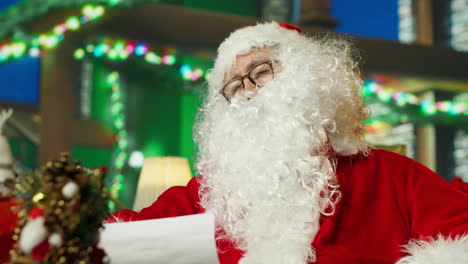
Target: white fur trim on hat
column 441, row 250
column 244, row 39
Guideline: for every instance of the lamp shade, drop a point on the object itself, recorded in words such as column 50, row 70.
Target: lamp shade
column 157, row 175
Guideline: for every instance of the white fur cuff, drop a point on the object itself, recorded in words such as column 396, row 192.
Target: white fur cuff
column 437, row 251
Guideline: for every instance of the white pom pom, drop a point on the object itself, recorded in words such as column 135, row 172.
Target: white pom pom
column 55, row 240
column 70, row 189
column 33, row 234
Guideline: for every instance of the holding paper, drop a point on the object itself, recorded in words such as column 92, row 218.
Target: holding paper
column 285, row 169
column 175, row 240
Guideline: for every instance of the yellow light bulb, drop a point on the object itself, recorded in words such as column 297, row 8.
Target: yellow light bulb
column 38, row 197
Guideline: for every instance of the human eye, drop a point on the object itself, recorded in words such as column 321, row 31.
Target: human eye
column 262, row 73
column 232, row 88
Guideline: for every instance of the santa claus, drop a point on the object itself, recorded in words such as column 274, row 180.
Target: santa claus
column 285, row 170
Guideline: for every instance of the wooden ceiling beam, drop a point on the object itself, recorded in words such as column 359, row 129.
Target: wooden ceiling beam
column 174, row 25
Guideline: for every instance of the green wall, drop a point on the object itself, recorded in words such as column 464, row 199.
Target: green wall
column 24, row 152
column 91, row 157
column 160, row 110
column 189, row 106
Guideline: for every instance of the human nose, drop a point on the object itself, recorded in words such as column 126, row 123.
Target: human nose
column 249, row 85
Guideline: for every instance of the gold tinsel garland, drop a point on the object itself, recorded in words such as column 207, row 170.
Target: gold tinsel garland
column 62, row 215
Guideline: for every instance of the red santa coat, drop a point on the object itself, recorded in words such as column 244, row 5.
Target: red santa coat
column 387, row 200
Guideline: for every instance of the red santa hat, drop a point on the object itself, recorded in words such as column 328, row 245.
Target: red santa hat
column 242, row 40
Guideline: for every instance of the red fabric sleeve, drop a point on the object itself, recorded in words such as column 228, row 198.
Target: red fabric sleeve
column 176, row 201
column 436, row 206
column 458, row 183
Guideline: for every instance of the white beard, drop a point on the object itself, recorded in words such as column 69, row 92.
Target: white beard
column 266, row 173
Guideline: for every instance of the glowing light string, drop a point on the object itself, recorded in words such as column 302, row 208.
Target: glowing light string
column 17, row 49
column 121, row 50
column 401, row 99
column 117, row 109
column 12, row 18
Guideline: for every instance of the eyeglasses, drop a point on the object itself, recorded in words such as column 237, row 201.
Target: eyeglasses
column 259, row 75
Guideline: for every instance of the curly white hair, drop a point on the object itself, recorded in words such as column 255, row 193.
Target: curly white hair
column 268, row 163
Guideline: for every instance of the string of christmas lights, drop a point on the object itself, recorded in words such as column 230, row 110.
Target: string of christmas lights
column 30, row 10
column 32, row 47
column 121, row 50
column 401, row 99
column 121, row 150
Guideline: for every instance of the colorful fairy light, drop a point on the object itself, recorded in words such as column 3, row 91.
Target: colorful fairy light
column 112, row 54
column 458, row 108
column 428, row 107
column 18, row 49
column 114, row 2
column 73, row 23
column 401, row 99
column 141, row 50
column 168, row 60
column 152, row 58
column 123, row 55
column 207, row 75
column 93, row 12
column 118, row 119
column 443, row 106
column 190, row 74
column 35, row 52
column 136, row 160
column 130, row 47
column 79, row 54
column 385, row 95
column 120, row 50
column 99, row 51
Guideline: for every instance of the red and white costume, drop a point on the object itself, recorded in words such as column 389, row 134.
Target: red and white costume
column 274, row 163
column 388, row 202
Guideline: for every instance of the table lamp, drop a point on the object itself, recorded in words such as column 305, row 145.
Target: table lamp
column 157, row 175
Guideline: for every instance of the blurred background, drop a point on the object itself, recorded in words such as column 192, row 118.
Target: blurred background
column 118, row 82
